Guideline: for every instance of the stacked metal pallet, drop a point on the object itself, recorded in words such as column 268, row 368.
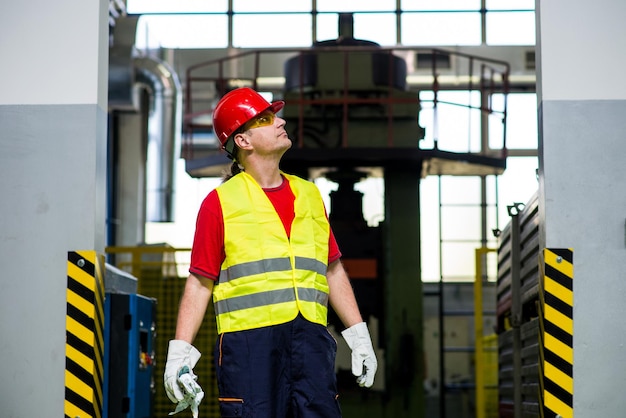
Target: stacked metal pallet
column 517, row 311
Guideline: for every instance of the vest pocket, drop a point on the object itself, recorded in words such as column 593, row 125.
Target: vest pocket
column 231, row 408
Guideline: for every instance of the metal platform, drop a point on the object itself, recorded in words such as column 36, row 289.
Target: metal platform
column 425, row 162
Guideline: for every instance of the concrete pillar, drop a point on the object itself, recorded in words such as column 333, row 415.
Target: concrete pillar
column 131, row 181
column 53, row 122
column 582, row 120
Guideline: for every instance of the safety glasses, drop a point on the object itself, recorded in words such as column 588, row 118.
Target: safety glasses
column 264, row 119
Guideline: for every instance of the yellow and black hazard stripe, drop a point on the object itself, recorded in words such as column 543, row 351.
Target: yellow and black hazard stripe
column 557, row 333
column 84, row 346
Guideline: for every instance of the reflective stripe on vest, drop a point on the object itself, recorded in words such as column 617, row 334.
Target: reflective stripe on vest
column 268, row 278
column 275, row 264
column 269, row 298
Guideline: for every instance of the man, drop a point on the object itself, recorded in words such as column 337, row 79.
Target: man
column 264, row 250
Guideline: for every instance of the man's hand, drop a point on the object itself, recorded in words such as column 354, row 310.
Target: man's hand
column 364, row 363
column 180, row 382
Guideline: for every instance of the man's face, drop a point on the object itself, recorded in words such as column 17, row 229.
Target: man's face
column 267, row 134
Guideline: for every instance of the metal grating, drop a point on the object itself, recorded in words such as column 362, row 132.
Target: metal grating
column 529, row 253
column 168, row 291
column 531, row 397
column 503, row 287
column 505, row 374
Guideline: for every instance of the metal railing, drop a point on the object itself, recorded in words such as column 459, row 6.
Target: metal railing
column 443, row 71
column 136, row 260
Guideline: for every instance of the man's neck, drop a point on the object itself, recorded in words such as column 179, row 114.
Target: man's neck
column 266, row 176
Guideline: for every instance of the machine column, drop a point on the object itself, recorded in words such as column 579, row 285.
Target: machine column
column 403, row 293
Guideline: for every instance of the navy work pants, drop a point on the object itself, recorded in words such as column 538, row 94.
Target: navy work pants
column 281, row 371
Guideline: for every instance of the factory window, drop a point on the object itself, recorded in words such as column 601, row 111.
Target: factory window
column 180, row 24
column 521, row 123
column 286, row 30
column 182, row 31
column 178, row 6
column 441, row 28
column 282, row 23
column 423, row 5
column 517, row 184
column 451, row 222
column 510, row 4
column 255, row 6
column 454, row 125
column 463, row 135
column 511, row 28
column 459, row 210
column 285, row 23
column 510, row 22
column 356, row 6
column 385, row 24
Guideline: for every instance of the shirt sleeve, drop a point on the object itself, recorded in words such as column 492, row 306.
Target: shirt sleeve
column 207, row 252
column 333, row 248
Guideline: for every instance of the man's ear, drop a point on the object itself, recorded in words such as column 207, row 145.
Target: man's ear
column 242, row 141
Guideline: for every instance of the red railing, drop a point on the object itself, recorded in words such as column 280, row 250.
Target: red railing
column 205, row 82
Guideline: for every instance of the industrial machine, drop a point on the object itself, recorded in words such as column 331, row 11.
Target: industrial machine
column 130, row 332
column 355, row 96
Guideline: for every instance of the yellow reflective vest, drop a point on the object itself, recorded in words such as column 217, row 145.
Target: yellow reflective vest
column 266, row 277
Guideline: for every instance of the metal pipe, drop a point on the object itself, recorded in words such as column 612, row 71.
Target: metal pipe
column 164, row 135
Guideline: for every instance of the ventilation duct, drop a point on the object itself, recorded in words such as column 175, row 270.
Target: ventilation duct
column 164, row 131
column 121, row 74
column 129, row 75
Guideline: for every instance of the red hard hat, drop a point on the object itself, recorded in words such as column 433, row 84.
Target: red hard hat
column 238, row 107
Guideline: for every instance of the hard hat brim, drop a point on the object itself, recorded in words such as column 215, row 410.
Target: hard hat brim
column 276, row 106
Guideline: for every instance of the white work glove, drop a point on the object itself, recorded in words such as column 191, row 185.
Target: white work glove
column 364, row 362
column 180, row 382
